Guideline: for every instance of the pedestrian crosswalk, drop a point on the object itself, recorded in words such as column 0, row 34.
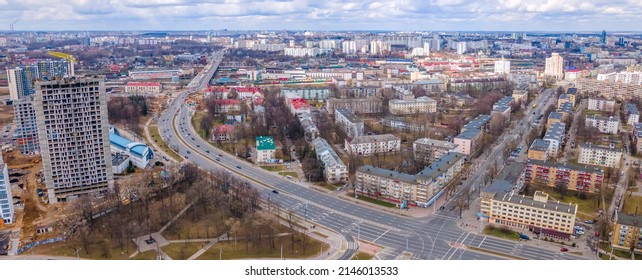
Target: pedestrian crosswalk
column 353, row 245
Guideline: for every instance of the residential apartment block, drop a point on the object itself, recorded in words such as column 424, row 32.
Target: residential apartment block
column 538, row 213
column 574, row 177
column 539, row 149
column 427, row 150
column 599, row 155
column 600, row 104
column 610, row 90
column 419, row 105
column 566, row 109
column 265, row 149
column 469, row 141
column 554, row 117
column 143, row 88
column 631, row 113
column 26, row 131
column 319, row 94
column 357, row 106
column 398, row 123
column 367, row 145
column 555, row 136
column 421, row 189
column 73, row 134
column 334, row 171
column 480, row 123
column 626, row 232
column 7, row 211
column 637, row 134
column 608, row 125
column 351, row 125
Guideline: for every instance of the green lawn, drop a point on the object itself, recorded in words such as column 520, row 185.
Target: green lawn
column 153, row 131
column 327, row 186
column 238, row 251
column 97, row 251
column 631, row 204
column 502, row 232
column 376, row 201
column 362, row 256
column 182, row 251
column 273, row 167
column 620, row 253
column 147, row 255
column 293, row 174
column 196, row 121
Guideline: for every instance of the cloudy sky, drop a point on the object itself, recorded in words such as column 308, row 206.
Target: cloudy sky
column 517, row 15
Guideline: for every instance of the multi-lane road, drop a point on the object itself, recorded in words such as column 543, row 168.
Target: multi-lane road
column 423, row 238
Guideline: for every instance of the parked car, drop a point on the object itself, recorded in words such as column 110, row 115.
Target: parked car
column 589, row 222
column 275, row 191
column 564, row 249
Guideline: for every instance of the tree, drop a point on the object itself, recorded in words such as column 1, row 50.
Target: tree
column 560, row 187
column 461, row 205
column 604, row 227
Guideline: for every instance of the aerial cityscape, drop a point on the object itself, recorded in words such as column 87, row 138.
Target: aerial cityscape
column 162, row 141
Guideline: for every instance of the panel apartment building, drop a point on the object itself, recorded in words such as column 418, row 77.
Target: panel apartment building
column 420, row 105
column 334, row 171
column 358, row 106
column 574, row 177
column 600, row 155
column 421, row 189
column 351, row 125
column 428, row 150
column 608, row 125
column 367, row 145
column 626, row 232
column 73, row 133
column 600, row 104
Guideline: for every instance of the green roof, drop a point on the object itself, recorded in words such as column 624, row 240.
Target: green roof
column 265, row 143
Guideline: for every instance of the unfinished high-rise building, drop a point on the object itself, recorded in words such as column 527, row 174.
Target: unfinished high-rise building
column 73, row 132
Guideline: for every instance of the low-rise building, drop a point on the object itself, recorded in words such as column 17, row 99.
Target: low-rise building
column 139, row 153
column 357, row 106
column 555, row 136
column 480, row 122
column 227, row 105
column 265, row 149
column 573, row 177
column 599, row 155
column 351, row 125
column 554, row 117
column 298, row 105
column 608, row 125
column 626, row 232
column 119, row 163
column 631, row 113
column 398, row 123
column 421, row 189
column 539, row 149
column 538, row 213
column 419, row 105
column 334, row 171
column 572, row 95
column 222, row 132
column 600, row 104
column 469, row 141
column 427, row 150
column 143, row 88
column 367, row 145
column 520, row 96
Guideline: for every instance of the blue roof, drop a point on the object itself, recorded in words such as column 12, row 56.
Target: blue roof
column 119, row 141
column 139, row 150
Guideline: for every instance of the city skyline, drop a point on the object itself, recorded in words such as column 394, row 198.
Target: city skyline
column 460, row 15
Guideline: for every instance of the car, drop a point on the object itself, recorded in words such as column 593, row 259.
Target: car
column 189, row 152
column 186, row 157
column 220, row 155
column 564, row 249
column 193, row 139
column 238, row 167
column 208, row 151
column 218, row 159
column 589, row 222
column 275, row 191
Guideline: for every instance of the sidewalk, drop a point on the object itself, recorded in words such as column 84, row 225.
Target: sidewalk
column 157, row 149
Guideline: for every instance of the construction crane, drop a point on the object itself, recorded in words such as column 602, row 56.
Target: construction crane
column 72, row 59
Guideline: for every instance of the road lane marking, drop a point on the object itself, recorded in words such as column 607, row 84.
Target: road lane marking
column 373, row 241
column 482, row 242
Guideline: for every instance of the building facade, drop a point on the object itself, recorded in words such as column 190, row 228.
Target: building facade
column 26, row 132
column 419, row 105
column 143, row 88
column 539, row 149
column 265, row 149
column 427, row 150
column 319, row 94
column 367, row 145
column 599, row 155
column 608, row 125
column 334, row 171
column 600, row 104
column 554, row 66
column 73, row 134
column 7, row 210
column 631, row 114
column 626, row 232
column 469, row 141
column 573, row 177
column 357, row 106
column 351, row 125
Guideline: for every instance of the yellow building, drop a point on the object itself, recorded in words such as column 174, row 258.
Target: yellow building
column 538, row 213
column 573, row 177
column 539, row 150
column 626, row 232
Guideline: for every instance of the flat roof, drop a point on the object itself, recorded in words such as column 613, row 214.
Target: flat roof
column 629, row 220
column 599, row 147
column 512, row 172
column 555, row 115
column 348, row 115
column 540, row 145
column 435, row 143
column 265, row 143
column 389, row 174
column 469, row 134
column 550, row 204
column 566, row 165
column 442, row 164
column 477, row 122
column 631, row 108
column 374, row 138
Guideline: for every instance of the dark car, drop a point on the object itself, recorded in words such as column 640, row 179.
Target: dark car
column 189, row 152
column 207, row 151
column 275, row 191
column 238, row 166
column 564, row 249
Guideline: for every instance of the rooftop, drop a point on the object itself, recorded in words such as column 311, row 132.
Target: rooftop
column 555, row 116
column 631, row 108
column 629, row 220
column 540, row 145
column 539, row 200
column 442, row 164
column 326, row 154
column 394, row 175
column 570, row 91
column 265, row 143
column 352, row 118
column 477, row 122
column 511, row 172
column 566, row 107
column 435, row 143
column 598, row 147
column 374, row 138
column 469, row 134
column 567, row 166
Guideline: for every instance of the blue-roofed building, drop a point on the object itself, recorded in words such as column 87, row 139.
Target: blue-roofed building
column 469, row 141
column 139, row 153
column 480, row 122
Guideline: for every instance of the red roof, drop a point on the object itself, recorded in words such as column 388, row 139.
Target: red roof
column 298, row 103
column 143, row 84
column 223, row 129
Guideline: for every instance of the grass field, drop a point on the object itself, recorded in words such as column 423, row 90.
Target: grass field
column 97, row 251
column 230, row 251
column 273, row 168
column 376, row 201
column 153, row 131
column 196, row 121
column 182, row 251
column 286, row 173
column 147, row 255
column 501, row 233
column 586, row 208
column 631, row 204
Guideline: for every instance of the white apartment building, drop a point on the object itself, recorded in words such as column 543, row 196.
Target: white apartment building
column 608, row 125
column 74, row 136
column 7, row 211
column 379, row 47
column 600, row 155
column 302, row 52
column 420, row 105
column 349, row 47
column 600, row 104
column 554, row 66
column 631, row 114
column 334, row 171
column 143, row 88
column 306, row 93
column 26, row 132
column 555, row 135
column 461, row 47
column 429, row 150
column 367, row 145
column 502, row 66
column 349, row 123
column 370, row 105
